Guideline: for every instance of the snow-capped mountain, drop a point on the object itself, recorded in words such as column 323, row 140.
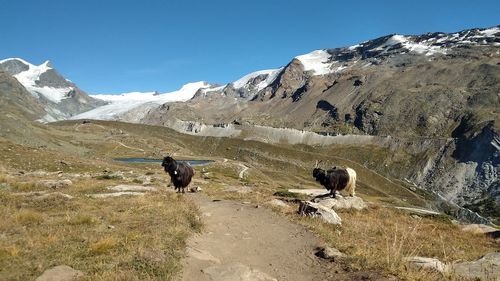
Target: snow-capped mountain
column 60, row 97
column 136, row 104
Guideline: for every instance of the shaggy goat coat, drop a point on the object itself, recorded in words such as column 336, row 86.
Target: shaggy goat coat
column 337, row 179
column 180, row 173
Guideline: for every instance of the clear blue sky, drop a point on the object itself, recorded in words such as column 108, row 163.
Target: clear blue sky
column 112, row 46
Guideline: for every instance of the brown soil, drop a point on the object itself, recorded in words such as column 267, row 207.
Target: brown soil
column 238, row 233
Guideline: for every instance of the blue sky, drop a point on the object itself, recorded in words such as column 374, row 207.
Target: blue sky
column 122, row 46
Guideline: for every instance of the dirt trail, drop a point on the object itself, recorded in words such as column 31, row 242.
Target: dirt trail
column 241, row 234
column 242, row 242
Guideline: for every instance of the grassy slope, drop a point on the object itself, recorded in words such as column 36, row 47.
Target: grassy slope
column 378, row 237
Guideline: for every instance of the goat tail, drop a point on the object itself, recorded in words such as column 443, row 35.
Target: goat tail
column 351, row 184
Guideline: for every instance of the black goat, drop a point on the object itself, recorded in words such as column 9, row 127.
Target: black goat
column 336, row 179
column 180, row 173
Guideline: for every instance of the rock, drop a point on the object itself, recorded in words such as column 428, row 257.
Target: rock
column 236, row 272
column 201, row 255
column 125, row 187
column 486, row 268
column 195, row 189
column 478, row 228
column 61, row 273
column 418, row 211
column 308, row 208
column 115, row 194
column 206, row 176
column 311, row 192
column 426, row 263
column 55, row 184
column 40, row 195
column 341, row 202
column 330, row 253
column 278, row 203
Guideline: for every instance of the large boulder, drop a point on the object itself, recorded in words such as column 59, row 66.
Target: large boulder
column 61, row 273
column 341, row 202
column 486, row 268
column 311, row 209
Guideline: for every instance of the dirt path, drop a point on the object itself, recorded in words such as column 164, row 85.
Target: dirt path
column 242, row 242
column 240, row 238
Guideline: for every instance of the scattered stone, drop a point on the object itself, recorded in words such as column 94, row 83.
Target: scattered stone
column 61, row 273
column 486, row 268
column 426, row 263
column 341, row 202
column 55, row 184
column 195, row 189
column 330, row 253
column 111, row 227
column 115, row 194
column 125, row 187
column 206, row 176
column 236, row 272
column 310, row 192
column 311, row 209
column 201, row 255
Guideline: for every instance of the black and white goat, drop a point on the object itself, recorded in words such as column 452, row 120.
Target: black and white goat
column 180, row 173
column 336, row 179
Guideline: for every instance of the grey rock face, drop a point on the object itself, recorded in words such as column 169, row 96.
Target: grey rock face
column 311, row 209
column 13, row 67
column 486, row 268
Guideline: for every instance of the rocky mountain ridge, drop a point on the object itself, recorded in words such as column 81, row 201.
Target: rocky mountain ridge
column 59, row 97
column 433, row 98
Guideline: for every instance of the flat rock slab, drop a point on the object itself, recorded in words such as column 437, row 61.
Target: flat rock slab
column 115, row 194
column 236, row 272
column 278, row 203
column 340, row 202
column 426, row 263
column 310, row 192
column 486, row 268
column 418, row 211
column 125, row 187
column 61, row 273
column 311, row 209
column 40, row 195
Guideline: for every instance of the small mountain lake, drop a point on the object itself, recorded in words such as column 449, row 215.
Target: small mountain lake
column 146, row 160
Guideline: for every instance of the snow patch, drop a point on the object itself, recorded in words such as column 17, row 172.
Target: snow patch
column 490, row 32
column 29, row 77
column 316, row 62
column 271, row 76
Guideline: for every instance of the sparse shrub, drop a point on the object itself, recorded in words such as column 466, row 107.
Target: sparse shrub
column 29, row 217
column 103, row 245
column 81, row 220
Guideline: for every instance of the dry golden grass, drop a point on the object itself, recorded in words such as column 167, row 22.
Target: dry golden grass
column 378, row 238
column 102, row 237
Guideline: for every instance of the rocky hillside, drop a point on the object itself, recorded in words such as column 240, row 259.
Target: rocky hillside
column 58, row 97
column 436, row 91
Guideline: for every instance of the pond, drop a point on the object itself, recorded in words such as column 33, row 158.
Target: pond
column 146, row 160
